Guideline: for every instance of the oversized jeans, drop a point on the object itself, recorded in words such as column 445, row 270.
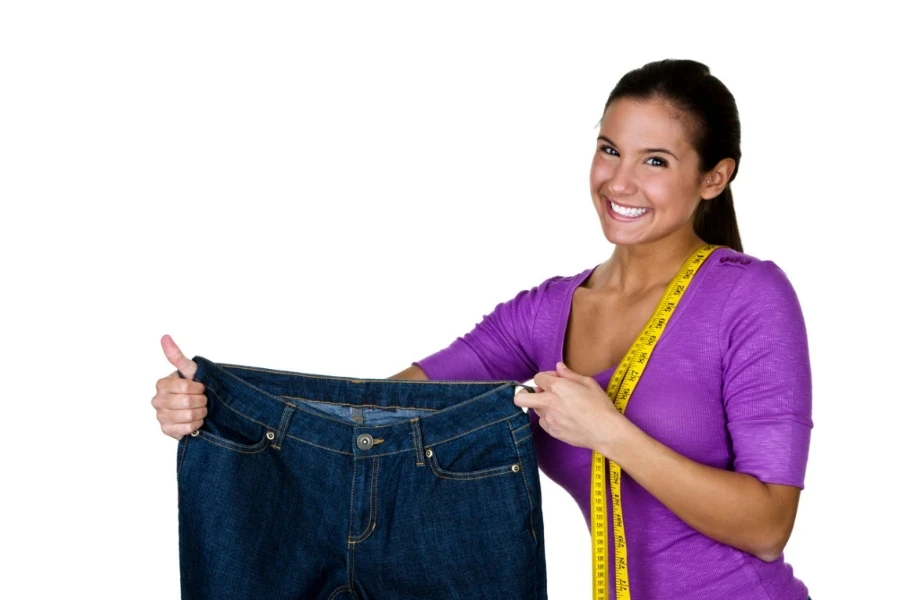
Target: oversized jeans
column 306, row 487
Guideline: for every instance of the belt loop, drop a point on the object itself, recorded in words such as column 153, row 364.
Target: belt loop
column 283, row 426
column 417, row 441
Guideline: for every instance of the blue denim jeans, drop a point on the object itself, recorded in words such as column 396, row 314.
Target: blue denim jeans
column 306, row 487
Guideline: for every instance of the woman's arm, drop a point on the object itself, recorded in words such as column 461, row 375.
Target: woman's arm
column 733, row 508
column 767, row 398
column 412, row 372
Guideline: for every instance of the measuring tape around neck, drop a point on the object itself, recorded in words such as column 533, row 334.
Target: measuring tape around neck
column 620, row 389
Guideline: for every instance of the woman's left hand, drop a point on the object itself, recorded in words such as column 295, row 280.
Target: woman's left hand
column 574, row 408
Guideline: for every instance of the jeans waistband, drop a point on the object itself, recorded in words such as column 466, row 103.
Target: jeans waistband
column 323, row 410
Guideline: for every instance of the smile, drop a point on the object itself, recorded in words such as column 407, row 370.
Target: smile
column 627, row 212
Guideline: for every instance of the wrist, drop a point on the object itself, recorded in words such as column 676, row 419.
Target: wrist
column 615, row 436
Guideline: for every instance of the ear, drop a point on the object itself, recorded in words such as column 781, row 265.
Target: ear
column 715, row 180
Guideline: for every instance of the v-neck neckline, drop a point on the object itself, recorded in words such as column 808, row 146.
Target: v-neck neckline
column 562, row 329
column 564, row 322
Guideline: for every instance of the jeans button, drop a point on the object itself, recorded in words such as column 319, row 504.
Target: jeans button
column 364, row 442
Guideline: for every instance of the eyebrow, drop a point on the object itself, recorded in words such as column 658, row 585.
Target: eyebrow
column 644, row 151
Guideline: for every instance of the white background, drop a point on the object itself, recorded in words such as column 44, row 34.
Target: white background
column 346, row 189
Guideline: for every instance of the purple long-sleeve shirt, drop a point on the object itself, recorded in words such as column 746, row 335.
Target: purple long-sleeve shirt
column 728, row 385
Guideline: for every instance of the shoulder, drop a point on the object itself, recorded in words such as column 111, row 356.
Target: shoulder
column 725, row 259
column 758, row 290
column 747, row 273
column 552, row 288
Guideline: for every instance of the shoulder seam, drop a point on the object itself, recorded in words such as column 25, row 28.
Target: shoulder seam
column 540, row 303
column 724, row 305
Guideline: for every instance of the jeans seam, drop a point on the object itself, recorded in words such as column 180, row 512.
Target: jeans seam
column 350, row 405
column 525, row 482
column 356, row 379
column 232, row 446
column 181, row 456
column 343, row 588
column 417, row 442
column 373, row 506
column 302, row 441
column 450, row 439
column 282, row 427
column 351, row 554
column 517, row 429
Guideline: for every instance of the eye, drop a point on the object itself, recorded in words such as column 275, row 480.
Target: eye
column 656, row 161
column 605, row 148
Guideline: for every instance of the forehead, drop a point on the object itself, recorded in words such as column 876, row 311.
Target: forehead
column 645, row 124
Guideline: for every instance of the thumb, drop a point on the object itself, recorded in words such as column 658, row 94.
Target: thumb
column 174, row 355
column 567, row 373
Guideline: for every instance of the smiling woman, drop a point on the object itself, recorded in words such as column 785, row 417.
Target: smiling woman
column 656, row 146
column 714, row 442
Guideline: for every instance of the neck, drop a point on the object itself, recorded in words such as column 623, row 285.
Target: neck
column 635, row 269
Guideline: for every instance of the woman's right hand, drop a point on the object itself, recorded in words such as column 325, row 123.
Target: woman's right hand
column 180, row 403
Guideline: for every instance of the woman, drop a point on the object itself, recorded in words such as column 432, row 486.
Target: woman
column 714, row 442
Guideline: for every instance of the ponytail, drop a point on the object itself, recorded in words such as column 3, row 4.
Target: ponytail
column 716, row 223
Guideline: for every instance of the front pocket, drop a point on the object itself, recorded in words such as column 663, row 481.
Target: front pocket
column 226, row 428
column 487, row 452
column 235, row 446
column 466, row 475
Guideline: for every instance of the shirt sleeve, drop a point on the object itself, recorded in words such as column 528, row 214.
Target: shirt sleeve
column 767, row 385
column 500, row 347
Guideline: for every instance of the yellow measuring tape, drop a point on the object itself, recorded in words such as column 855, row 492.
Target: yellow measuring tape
column 620, row 389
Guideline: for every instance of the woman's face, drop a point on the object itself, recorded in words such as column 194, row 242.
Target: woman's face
column 645, row 179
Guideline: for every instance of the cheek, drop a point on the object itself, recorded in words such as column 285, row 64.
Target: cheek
column 601, row 171
column 664, row 192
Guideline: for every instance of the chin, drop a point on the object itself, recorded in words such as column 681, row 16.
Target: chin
column 616, row 236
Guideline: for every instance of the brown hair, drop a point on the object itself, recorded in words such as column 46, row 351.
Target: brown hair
column 690, row 88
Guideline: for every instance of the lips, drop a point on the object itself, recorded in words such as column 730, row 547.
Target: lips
column 622, row 212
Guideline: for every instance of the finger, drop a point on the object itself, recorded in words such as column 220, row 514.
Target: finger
column 189, row 415
column 568, row 373
column 181, row 429
column 173, row 384
column 545, row 379
column 180, row 417
column 178, row 401
column 177, row 358
column 528, row 400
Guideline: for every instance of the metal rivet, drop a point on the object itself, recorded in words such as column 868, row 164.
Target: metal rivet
column 429, row 453
column 270, row 435
column 364, row 442
column 195, row 433
column 515, row 468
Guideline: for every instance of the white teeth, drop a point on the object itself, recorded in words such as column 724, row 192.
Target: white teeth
column 627, row 212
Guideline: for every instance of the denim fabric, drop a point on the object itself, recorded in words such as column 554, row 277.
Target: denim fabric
column 306, row 487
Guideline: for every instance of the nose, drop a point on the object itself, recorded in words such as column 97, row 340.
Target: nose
column 621, row 183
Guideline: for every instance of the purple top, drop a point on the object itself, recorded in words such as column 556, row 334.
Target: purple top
column 728, row 385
